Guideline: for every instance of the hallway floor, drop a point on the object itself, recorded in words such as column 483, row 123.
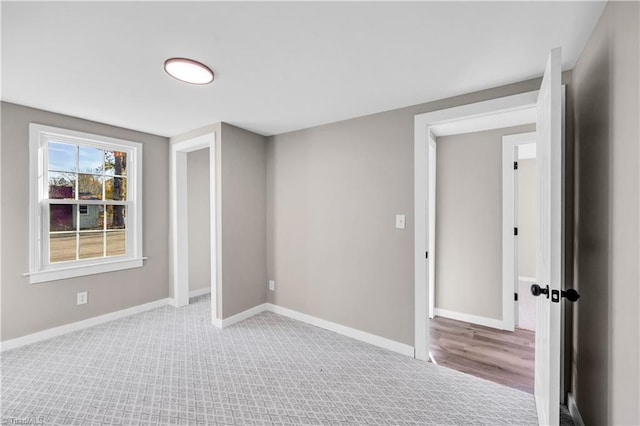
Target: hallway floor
column 499, row 356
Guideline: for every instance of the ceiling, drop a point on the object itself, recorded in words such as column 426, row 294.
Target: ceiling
column 279, row 66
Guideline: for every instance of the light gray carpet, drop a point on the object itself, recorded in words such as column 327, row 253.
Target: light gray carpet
column 171, row 366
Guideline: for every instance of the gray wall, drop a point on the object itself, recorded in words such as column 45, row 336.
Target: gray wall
column 333, row 191
column 606, row 334
column 198, row 208
column 469, row 222
column 527, row 217
column 30, row 308
column 241, row 205
column 244, row 271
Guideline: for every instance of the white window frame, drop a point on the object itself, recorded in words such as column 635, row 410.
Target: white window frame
column 40, row 270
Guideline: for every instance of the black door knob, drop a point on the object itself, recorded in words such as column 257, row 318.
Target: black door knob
column 536, row 290
column 571, row 295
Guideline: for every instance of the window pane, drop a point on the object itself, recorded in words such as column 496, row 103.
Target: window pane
column 116, row 243
column 115, row 163
column 89, row 187
column 90, row 159
column 115, row 188
column 91, row 244
column 62, row 156
column 62, row 217
column 62, row 185
column 62, row 247
column 116, row 217
column 91, row 217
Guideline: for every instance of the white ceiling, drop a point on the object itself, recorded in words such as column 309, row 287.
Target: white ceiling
column 279, row 66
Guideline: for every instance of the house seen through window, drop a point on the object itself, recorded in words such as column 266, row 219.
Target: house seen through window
column 86, row 200
column 78, row 173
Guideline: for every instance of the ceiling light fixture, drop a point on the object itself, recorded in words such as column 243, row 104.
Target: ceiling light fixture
column 188, row 70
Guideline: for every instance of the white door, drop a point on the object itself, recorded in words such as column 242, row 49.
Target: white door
column 549, row 252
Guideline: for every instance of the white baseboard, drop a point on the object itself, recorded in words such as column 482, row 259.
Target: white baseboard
column 473, row 319
column 243, row 315
column 318, row 322
column 372, row 339
column 199, row 292
column 193, row 293
column 80, row 325
column 531, row 280
column 573, row 410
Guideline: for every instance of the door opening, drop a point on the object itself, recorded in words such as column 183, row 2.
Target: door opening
column 180, row 220
column 519, row 212
column 471, row 330
column 549, row 110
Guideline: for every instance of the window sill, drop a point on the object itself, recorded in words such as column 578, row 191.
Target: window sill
column 82, row 270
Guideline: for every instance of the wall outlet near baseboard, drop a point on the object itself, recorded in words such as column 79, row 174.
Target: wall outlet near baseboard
column 81, row 298
column 272, row 285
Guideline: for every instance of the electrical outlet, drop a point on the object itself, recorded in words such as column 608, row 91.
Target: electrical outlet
column 272, row 285
column 400, row 221
column 82, row 298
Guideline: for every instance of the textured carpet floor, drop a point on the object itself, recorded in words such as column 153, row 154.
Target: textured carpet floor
column 171, row 366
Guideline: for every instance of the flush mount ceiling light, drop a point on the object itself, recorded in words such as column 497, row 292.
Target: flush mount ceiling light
column 188, row 70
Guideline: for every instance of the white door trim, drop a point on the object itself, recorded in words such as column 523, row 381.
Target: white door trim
column 509, row 222
column 179, row 219
column 431, row 243
column 422, row 124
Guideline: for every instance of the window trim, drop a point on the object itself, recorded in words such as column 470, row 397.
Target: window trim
column 40, row 270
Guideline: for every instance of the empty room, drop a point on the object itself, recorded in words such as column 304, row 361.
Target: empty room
column 320, row 213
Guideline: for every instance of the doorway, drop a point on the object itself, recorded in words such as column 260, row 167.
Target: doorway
column 502, row 112
column 482, row 115
column 549, row 104
column 469, row 331
column 199, row 222
column 180, row 219
column 520, row 225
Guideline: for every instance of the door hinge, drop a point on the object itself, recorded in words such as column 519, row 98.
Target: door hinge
column 426, row 254
column 515, row 165
column 515, row 231
column 515, row 296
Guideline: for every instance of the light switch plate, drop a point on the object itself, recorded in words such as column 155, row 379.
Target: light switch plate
column 400, row 221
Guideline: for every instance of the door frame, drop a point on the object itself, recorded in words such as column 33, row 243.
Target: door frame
column 431, row 234
column 509, row 222
column 422, row 129
column 179, row 219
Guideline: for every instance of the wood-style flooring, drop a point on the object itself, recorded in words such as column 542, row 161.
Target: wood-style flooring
column 503, row 357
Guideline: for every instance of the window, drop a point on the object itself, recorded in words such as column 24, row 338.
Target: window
column 85, row 199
